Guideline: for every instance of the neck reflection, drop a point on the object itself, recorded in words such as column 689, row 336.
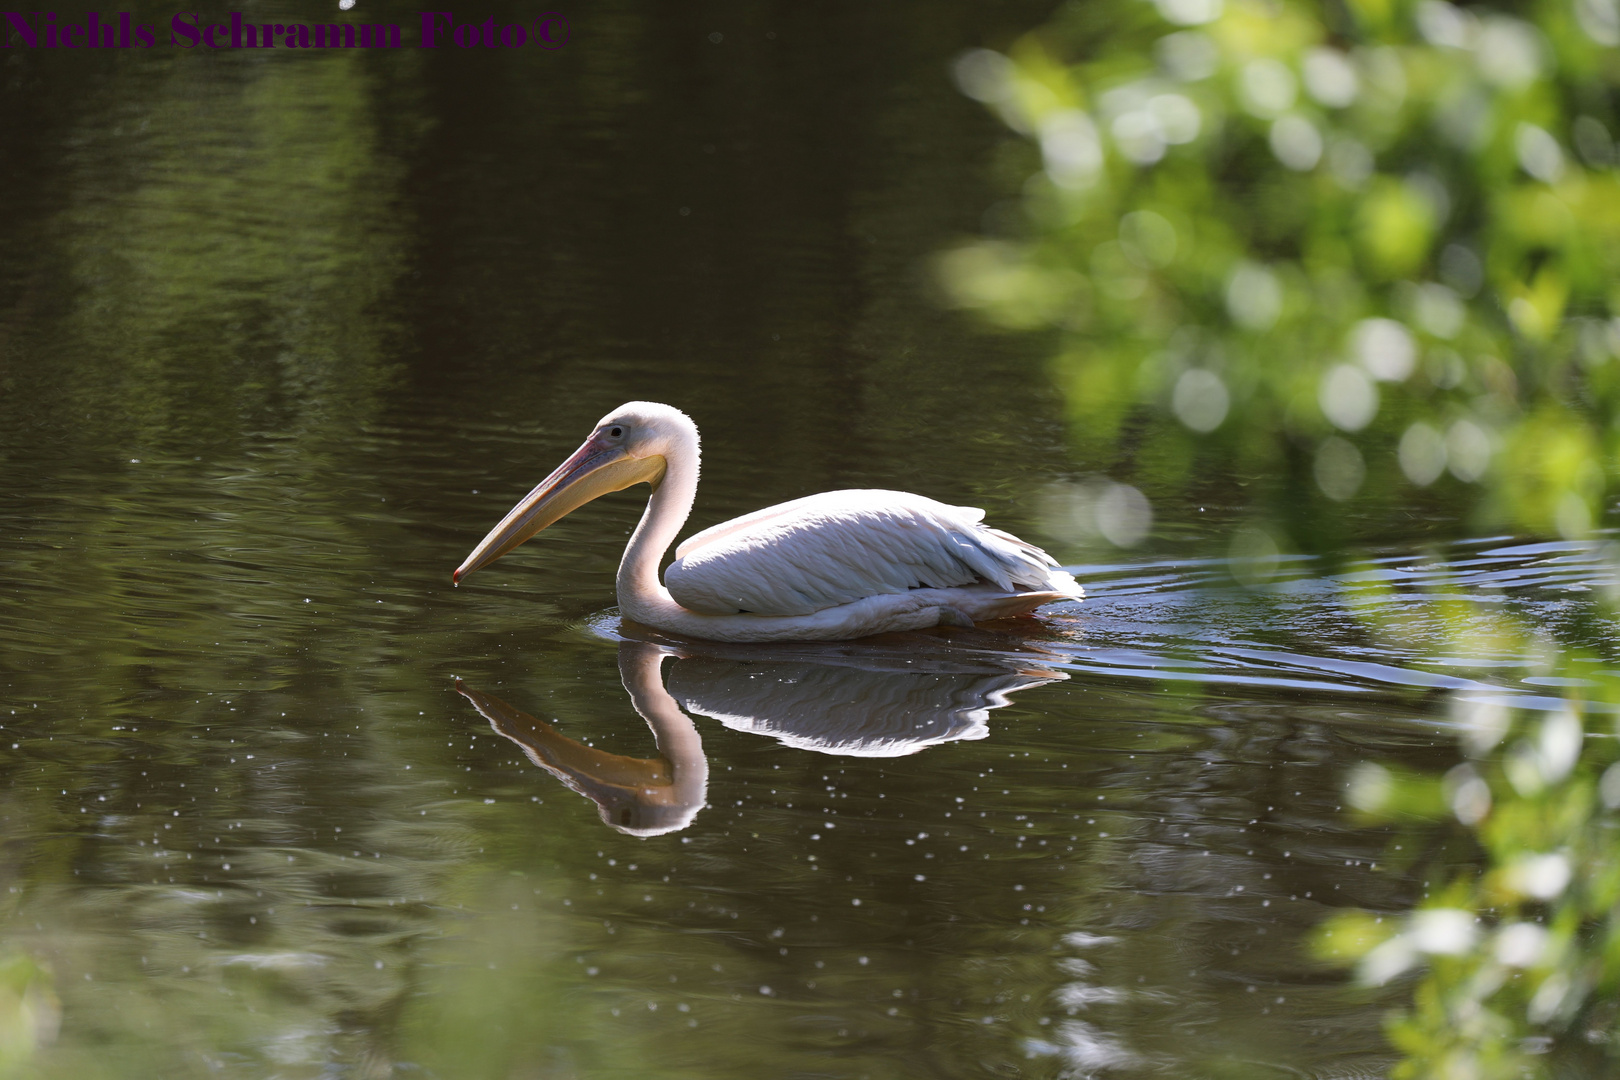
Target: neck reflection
column 638, row 796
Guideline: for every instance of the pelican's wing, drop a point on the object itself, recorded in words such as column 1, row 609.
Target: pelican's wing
column 840, row 546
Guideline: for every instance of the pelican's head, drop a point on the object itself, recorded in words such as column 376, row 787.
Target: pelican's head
column 631, row 445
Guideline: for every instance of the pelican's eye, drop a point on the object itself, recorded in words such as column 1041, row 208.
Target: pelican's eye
column 616, row 431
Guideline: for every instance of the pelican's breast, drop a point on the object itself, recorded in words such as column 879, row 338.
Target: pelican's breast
column 837, row 547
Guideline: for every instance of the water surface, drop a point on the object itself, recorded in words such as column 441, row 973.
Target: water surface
column 280, row 338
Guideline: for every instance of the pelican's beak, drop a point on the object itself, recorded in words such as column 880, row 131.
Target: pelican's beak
column 594, row 470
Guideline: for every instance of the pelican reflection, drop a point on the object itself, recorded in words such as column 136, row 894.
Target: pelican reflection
column 867, row 701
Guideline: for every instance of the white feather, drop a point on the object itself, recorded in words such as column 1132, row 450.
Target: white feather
column 839, row 546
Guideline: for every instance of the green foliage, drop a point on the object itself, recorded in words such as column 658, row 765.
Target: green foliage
column 1313, row 241
column 1525, row 955
column 1520, row 949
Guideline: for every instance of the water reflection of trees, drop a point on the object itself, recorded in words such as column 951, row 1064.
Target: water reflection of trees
column 208, row 234
column 208, row 265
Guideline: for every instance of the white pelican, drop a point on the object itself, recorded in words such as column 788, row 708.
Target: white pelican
column 827, row 567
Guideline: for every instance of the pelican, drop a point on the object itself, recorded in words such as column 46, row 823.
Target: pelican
column 828, row 567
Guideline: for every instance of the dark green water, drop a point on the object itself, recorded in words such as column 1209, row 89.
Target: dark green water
column 282, row 336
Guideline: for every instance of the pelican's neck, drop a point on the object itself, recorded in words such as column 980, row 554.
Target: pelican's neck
column 666, row 512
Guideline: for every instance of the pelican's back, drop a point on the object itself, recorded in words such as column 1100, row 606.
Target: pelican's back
column 837, row 547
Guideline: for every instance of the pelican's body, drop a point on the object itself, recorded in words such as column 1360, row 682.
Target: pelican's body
column 843, row 564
